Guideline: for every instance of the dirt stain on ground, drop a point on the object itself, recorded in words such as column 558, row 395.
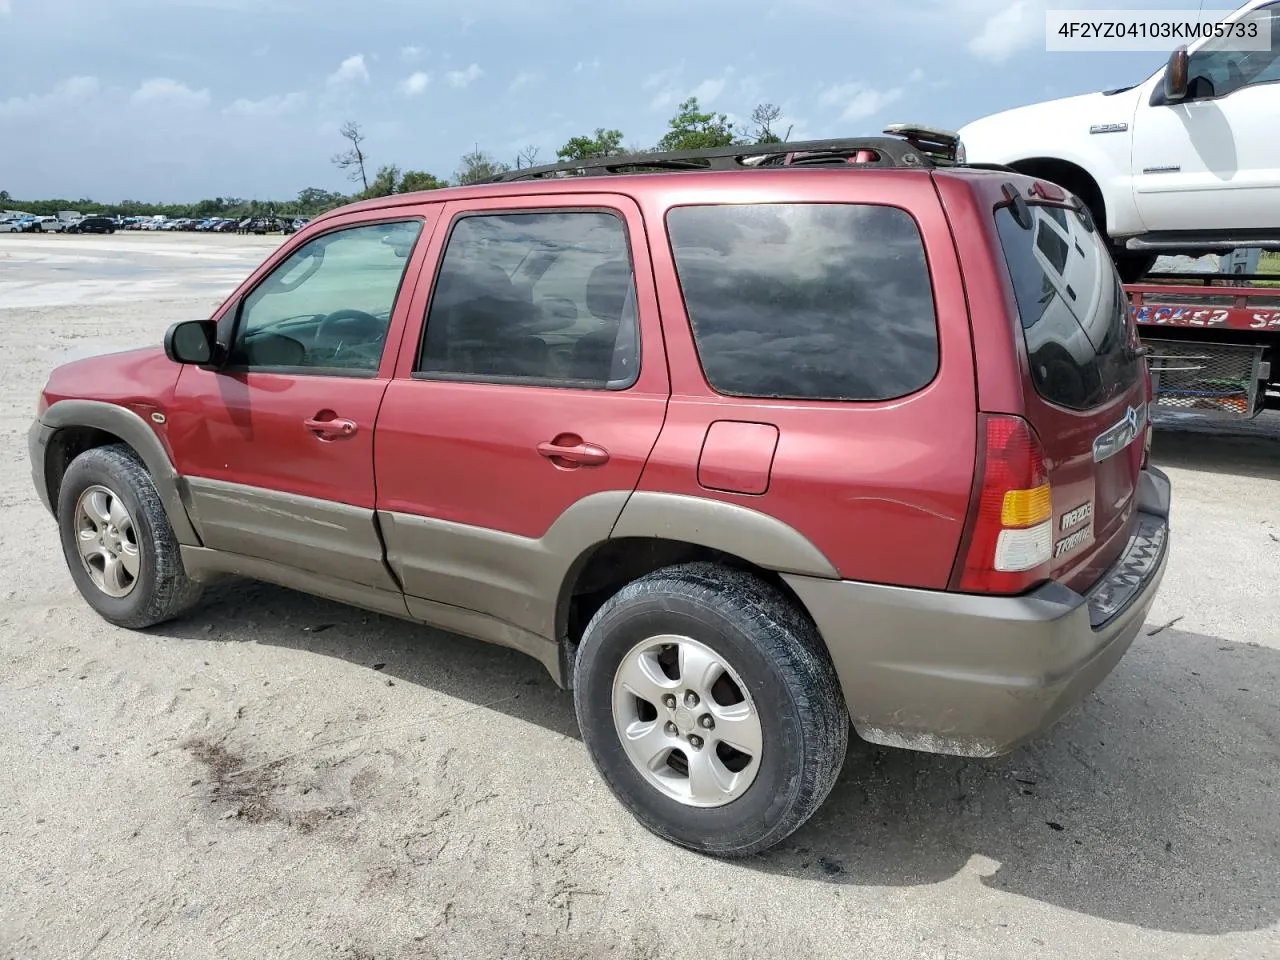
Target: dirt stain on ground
column 252, row 793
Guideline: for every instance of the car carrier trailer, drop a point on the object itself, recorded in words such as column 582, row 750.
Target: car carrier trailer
column 1213, row 345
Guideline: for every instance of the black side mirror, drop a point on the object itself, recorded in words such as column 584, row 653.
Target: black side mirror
column 1176, row 79
column 192, row 341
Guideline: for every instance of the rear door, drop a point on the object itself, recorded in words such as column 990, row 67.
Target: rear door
column 1084, row 388
column 524, row 406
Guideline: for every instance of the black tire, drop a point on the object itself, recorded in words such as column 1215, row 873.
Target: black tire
column 776, row 651
column 1132, row 267
column 162, row 589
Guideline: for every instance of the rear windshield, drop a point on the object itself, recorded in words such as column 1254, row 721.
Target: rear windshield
column 1072, row 308
column 807, row 301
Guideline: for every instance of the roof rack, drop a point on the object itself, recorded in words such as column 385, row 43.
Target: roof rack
column 907, row 146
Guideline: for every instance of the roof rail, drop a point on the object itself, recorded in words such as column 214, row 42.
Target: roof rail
column 908, row 146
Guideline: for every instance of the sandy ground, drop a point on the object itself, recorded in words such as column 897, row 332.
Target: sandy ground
column 275, row 776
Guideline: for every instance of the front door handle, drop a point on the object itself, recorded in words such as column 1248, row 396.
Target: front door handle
column 569, row 451
column 327, row 426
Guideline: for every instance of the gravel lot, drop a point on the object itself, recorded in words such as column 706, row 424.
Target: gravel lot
column 274, row 776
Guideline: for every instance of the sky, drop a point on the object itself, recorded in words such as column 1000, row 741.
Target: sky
column 177, row 100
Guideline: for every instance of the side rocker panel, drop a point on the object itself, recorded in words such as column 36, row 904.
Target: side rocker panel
column 329, row 539
column 133, row 430
column 502, row 575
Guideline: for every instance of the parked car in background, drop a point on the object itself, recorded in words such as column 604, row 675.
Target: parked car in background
column 45, row 225
column 94, row 224
column 11, row 225
column 740, row 456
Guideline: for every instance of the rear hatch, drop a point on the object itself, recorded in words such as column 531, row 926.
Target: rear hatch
column 1085, row 380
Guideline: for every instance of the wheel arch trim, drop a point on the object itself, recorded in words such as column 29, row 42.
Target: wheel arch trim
column 731, row 528
column 131, row 429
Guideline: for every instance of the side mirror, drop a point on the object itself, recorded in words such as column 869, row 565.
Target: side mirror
column 1175, row 75
column 192, row 341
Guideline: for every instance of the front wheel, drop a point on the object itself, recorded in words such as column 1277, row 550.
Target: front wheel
column 710, row 707
column 117, row 540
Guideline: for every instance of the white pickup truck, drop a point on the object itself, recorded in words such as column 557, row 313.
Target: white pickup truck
column 1185, row 162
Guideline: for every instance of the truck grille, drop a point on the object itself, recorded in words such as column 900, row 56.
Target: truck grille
column 1207, row 379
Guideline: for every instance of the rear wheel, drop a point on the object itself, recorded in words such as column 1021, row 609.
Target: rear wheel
column 117, row 541
column 710, row 707
column 1132, row 267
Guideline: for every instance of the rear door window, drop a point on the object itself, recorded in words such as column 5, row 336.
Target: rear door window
column 819, row 301
column 1071, row 306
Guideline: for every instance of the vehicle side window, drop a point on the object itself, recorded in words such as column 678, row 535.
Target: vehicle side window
column 327, row 307
column 1215, row 72
column 807, row 301
column 545, row 298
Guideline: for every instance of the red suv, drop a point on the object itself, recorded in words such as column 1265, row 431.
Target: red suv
column 742, row 445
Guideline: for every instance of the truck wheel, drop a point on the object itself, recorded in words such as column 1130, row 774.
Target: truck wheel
column 117, row 540
column 710, row 707
column 1132, row 267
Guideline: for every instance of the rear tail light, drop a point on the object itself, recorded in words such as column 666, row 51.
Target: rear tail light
column 1008, row 539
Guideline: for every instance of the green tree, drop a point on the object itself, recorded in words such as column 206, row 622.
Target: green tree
column 477, row 167
column 385, row 182
column 311, row 201
column 692, row 129
column 414, row 180
column 603, row 143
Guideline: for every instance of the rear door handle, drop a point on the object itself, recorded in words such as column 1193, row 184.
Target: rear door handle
column 571, row 451
column 331, row 428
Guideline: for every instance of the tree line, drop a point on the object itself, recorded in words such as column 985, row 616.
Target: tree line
column 691, row 128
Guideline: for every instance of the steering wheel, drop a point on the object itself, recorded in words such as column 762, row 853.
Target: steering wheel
column 349, row 327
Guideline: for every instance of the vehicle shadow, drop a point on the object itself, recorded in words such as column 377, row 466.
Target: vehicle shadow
column 1152, row 804
column 482, row 673
column 1253, row 451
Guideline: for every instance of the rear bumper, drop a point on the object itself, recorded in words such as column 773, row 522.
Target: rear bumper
column 975, row 675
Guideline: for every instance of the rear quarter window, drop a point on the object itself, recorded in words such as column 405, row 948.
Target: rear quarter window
column 807, row 301
column 1071, row 308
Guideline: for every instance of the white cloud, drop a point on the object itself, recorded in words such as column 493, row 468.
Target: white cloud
column 464, row 78
column 165, row 90
column 349, row 71
column 708, row 90
column 858, row 100
column 273, row 106
column 666, row 97
column 76, row 88
column 70, row 91
column 915, row 76
column 4, row 6
column 414, row 84
column 410, row 53
column 582, row 65
column 1017, row 26
column 523, row 80
column 663, row 78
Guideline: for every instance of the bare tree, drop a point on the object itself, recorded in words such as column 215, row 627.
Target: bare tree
column 764, row 116
column 351, row 161
column 528, row 157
